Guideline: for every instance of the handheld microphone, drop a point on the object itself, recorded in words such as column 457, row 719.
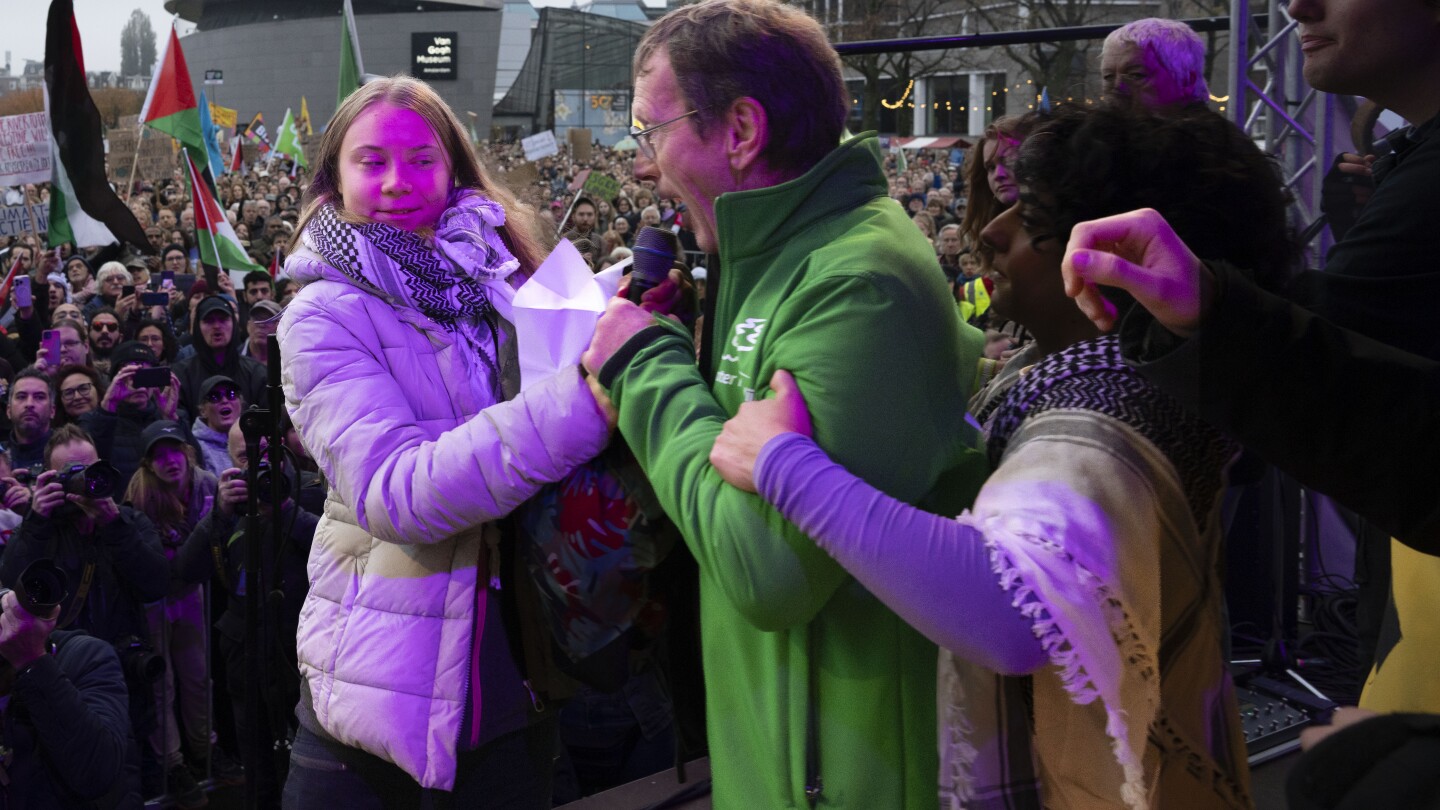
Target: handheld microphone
column 654, row 253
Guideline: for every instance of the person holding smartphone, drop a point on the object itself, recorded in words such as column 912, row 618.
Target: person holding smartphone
column 111, row 281
column 20, row 318
column 64, row 345
column 139, row 395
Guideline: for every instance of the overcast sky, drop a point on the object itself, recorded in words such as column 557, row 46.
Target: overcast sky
column 100, row 22
column 22, row 33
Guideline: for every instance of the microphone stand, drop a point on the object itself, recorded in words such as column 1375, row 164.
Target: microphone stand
column 257, row 423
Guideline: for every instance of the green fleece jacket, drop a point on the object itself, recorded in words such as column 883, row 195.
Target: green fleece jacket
column 826, row 277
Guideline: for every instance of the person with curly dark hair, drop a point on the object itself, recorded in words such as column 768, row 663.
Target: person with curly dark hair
column 1088, row 561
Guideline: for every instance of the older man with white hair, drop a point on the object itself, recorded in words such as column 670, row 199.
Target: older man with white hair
column 1156, row 63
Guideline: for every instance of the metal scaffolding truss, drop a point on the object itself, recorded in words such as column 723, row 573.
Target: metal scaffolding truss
column 1303, row 127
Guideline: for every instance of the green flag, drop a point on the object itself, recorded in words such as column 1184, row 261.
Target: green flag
column 287, row 142
column 351, row 66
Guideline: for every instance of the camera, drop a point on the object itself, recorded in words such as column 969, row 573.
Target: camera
column 42, row 586
column 98, row 480
column 139, row 662
column 264, row 477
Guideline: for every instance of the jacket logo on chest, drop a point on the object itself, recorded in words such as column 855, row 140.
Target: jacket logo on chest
column 747, row 334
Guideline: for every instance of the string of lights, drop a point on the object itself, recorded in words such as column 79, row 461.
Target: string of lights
column 949, row 106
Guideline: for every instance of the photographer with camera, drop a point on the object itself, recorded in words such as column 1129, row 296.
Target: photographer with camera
column 63, row 720
column 216, row 548
column 111, row 553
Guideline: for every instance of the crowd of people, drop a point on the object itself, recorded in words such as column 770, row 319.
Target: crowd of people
column 946, row 451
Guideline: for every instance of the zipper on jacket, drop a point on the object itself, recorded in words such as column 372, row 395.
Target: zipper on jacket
column 470, row 667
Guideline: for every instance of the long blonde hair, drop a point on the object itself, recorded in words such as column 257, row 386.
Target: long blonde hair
column 165, row 504
column 519, row 231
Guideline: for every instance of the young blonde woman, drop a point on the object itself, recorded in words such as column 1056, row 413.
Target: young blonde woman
column 401, row 374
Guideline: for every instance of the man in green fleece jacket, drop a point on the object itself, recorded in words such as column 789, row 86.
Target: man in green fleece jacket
column 816, row 693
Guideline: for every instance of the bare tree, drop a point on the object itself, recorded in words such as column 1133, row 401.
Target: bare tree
column 137, row 45
column 115, row 102
column 1059, row 66
column 22, row 101
column 892, row 19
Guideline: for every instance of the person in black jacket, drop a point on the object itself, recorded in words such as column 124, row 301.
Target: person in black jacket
column 114, row 547
column 110, row 552
column 127, row 409
column 216, row 549
column 217, row 352
column 1271, row 373
column 65, row 722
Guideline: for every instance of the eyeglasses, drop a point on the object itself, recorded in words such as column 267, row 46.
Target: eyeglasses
column 104, row 327
column 645, row 139
column 81, row 390
column 70, row 344
column 222, row 395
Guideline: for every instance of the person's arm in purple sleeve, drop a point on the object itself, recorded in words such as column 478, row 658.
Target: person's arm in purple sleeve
column 932, row 571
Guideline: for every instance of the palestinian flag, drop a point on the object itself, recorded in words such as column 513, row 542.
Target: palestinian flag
column 83, row 208
column 170, row 106
column 218, row 245
column 10, row 279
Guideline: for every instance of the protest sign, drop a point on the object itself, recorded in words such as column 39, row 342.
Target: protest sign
column 601, row 187
column 18, row 219
column 540, row 145
column 223, row 117
column 24, row 149
column 580, row 144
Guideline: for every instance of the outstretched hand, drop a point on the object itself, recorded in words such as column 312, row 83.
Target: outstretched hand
column 756, row 423
column 1140, row 253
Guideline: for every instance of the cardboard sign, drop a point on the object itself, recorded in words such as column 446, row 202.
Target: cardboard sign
column 601, row 187
column 540, row 145
column 24, row 149
column 18, row 219
column 157, row 157
column 580, row 145
column 157, row 153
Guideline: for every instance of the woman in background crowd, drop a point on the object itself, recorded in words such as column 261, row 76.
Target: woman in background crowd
column 175, row 493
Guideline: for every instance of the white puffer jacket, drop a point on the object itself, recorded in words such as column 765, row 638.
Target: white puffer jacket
column 400, row 416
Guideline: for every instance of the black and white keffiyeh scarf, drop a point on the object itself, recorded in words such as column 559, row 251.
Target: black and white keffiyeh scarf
column 444, row 277
column 1092, row 375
